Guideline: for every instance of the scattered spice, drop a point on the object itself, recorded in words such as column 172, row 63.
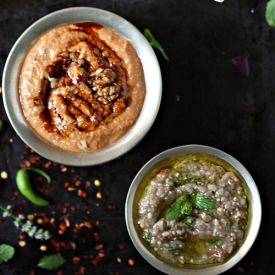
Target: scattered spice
column 241, row 269
column 30, row 217
column 43, row 247
column 131, row 262
column 97, row 182
column 64, row 169
column 81, row 271
column 98, row 195
column 4, row 175
column 22, row 243
column 81, row 193
column 40, row 221
column 75, row 259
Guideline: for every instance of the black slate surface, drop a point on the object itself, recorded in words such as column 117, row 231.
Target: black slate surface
column 205, row 101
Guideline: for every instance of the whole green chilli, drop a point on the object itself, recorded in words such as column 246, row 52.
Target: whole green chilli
column 24, row 185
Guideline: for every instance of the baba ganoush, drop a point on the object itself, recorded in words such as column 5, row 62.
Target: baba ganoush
column 81, row 86
column 193, row 211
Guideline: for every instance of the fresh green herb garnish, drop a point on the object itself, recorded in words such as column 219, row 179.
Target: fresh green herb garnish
column 1, row 125
column 51, row 262
column 185, row 203
column 202, row 202
column 174, row 211
column 186, row 208
column 154, row 43
column 171, row 247
column 270, row 13
column 216, row 243
column 6, row 252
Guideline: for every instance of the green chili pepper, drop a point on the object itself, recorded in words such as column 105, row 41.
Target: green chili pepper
column 24, row 185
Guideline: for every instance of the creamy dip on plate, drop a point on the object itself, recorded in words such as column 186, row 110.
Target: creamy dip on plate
column 81, row 86
column 194, row 210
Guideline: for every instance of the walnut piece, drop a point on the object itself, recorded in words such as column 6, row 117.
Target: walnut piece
column 103, row 84
column 108, row 94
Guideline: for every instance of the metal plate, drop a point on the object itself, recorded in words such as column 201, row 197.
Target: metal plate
column 152, row 76
column 254, row 219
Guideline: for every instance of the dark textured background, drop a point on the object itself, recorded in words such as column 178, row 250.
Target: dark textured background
column 205, row 101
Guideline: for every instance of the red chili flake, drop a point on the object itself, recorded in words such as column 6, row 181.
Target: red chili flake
column 34, row 159
column 66, row 184
column 101, row 255
column 99, row 246
column 62, row 228
column 121, row 246
column 47, row 164
column 77, row 183
column 56, row 244
column 25, row 164
column 22, row 237
column 131, row 262
column 75, row 259
column 59, row 273
column 81, row 193
column 15, row 195
column 32, row 272
column 52, row 220
column 71, row 189
column 241, row 269
column 67, row 222
column 88, row 225
column 111, row 206
column 81, row 271
column 18, row 210
column 64, row 210
column 97, row 237
column 87, row 184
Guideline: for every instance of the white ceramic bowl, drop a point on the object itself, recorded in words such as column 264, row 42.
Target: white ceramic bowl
column 152, row 79
column 254, row 220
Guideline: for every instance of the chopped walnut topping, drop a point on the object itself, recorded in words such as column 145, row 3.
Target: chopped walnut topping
column 75, row 72
column 108, row 94
column 103, row 77
column 103, row 84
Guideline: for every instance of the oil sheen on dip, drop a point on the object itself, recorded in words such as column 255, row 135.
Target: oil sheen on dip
column 192, row 210
column 81, row 86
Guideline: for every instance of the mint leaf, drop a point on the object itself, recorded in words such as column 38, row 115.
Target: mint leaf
column 202, row 202
column 51, row 262
column 40, row 172
column 6, row 252
column 154, row 43
column 186, row 208
column 270, row 13
column 181, row 206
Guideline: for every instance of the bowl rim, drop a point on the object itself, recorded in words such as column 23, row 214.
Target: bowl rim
column 151, row 70
column 254, row 203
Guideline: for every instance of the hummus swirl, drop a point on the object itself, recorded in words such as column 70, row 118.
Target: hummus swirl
column 81, row 86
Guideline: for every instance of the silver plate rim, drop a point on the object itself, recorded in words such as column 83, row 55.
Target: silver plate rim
column 152, row 74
